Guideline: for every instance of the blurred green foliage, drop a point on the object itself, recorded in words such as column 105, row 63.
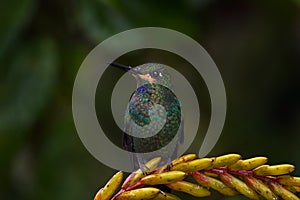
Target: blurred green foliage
column 255, row 44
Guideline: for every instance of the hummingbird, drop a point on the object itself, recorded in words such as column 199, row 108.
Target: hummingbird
column 153, row 121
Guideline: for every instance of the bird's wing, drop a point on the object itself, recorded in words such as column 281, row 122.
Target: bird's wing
column 127, row 140
column 181, row 127
column 180, row 140
column 181, row 132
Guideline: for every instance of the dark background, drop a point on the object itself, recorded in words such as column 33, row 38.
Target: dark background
column 255, row 44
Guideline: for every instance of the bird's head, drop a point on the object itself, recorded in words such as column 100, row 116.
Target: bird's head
column 149, row 73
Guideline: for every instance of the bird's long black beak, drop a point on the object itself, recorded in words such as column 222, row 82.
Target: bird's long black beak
column 124, row 67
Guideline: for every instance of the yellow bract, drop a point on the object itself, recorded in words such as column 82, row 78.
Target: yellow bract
column 163, row 178
column 190, row 188
column 142, row 193
column 248, row 164
column 274, row 170
column 111, row 186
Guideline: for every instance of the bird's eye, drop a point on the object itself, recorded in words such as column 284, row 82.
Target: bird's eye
column 154, row 74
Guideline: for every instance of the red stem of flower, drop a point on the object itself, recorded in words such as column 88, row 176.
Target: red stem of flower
column 135, row 186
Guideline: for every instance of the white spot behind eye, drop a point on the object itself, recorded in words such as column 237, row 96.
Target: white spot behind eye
column 160, row 74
